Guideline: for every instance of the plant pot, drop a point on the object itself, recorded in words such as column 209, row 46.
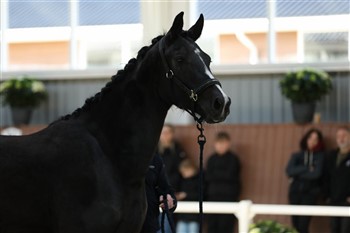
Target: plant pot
column 303, row 113
column 21, row 115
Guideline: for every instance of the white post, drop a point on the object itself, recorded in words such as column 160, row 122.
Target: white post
column 253, row 51
column 4, row 43
column 157, row 16
column 74, row 22
column 193, row 11
column 349, row 43
column 244, row 216
column 300, row 46
column 271, row 33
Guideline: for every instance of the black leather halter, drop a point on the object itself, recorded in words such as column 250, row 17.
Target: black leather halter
column 192, row 93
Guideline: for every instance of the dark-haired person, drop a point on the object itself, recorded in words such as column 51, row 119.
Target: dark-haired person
column 172, row 154
column 337, row 178
column 305, row 171
column 188, row 191
column 156, row 186
column 223, row 182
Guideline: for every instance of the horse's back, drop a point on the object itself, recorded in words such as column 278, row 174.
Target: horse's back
column 23, row 178
column 47, row 174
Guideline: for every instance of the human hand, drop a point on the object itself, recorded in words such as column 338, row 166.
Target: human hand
column 181, row 195
column 169, row 200
column 348, row 199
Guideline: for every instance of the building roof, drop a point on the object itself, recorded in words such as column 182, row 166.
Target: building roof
column 231, row 9
column 327, row 38
column 51, row 13
column 109, row 12
column 23, row 14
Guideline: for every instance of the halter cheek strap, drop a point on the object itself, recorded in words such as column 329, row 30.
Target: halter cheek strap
column 192, row 93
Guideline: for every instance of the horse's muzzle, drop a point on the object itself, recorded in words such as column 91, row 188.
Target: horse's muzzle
column 220, row 109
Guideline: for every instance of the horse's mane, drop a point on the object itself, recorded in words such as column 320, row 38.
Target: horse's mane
column 120, row 75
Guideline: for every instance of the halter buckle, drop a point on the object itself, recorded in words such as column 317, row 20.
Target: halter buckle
column 193, row 96
column 169, row 74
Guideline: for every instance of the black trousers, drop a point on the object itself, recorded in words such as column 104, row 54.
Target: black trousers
column 340, row 224
column 220, row 223
column 302, row 223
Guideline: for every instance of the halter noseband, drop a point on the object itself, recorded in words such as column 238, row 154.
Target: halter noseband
column 192, row 93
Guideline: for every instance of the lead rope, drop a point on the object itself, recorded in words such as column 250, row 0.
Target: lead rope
column 201, row 141
column 166, row 213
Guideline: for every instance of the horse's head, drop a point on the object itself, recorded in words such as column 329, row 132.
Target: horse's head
column 188, row 82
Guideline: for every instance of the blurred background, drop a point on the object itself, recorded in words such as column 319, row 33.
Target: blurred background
column 75, row 46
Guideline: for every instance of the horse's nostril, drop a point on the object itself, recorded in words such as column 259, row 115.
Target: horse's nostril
column 228, row 102
column 227, row 107
column 218, row 103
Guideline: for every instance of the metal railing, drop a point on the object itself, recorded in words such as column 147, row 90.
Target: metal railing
column 245, row 210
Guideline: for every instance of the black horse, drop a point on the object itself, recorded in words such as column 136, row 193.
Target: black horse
column 85, row 172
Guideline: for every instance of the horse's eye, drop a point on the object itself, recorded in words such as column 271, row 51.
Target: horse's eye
column 179, row 59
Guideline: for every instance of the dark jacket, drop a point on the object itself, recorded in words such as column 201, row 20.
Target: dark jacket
column 172, row 158
column 305, row 169
column 190, row 187
column 337, row 178
column 156, row 185
column 223, row 177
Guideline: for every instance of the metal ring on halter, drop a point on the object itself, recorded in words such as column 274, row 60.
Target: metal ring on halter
column 193, row 96
column 169, row 74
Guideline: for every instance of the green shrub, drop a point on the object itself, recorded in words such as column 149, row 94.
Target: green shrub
column 306, row 85
column 23, row 92
column 270, row 226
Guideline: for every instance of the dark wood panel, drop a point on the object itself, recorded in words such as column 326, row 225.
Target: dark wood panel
column 264, row 151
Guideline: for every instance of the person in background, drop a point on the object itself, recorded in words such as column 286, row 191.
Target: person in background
column 305, row 171
column 223, row 182
column 337, row 178
column 171, row 154
column 157, row 186
column 188, row 191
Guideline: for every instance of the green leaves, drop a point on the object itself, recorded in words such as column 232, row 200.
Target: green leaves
column 306, row 85
column 23, row 92
column 270, row 226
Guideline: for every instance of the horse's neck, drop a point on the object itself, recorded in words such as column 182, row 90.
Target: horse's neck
column 128, row 122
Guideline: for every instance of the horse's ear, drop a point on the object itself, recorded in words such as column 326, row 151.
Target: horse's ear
column 196, row 30
column 176, row 28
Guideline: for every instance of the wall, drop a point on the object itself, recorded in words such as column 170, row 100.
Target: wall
column 264, row 151
column 233, row 51
column 257, row 99
column 254, row 91
column 39, row 55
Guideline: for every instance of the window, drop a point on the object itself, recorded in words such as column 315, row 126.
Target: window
column 48, row 13
column 109, row 12
column 237, row 31
column 326, row 47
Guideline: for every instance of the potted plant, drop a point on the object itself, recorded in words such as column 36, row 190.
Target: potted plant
column 22, row 95
column 304, row 88
column 270, row 226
